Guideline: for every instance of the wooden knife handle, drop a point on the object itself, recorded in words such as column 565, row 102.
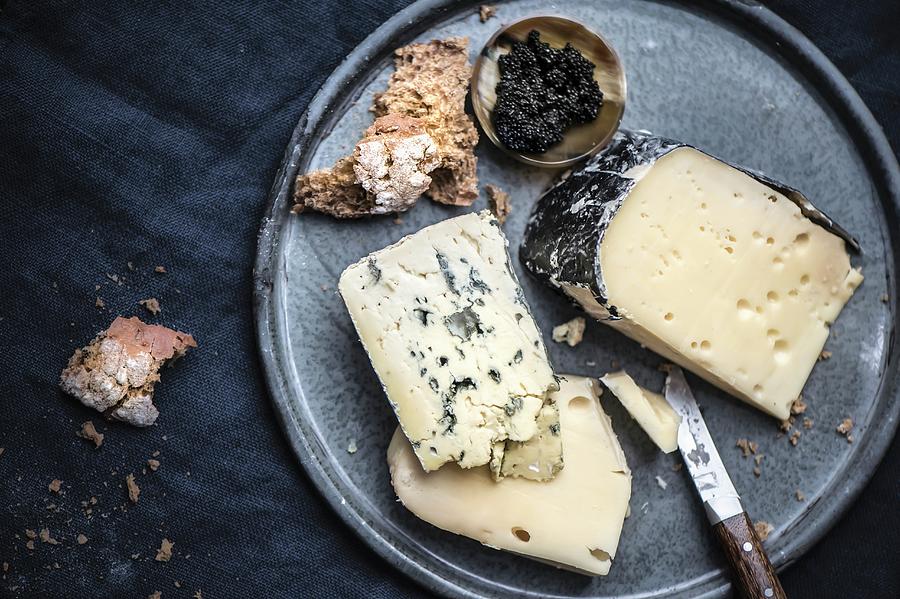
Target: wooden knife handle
column 753, row 574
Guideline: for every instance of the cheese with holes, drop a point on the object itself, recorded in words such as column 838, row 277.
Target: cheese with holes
column 572, row 521
column 723, row 271
column 448, row 331
column 651, row 410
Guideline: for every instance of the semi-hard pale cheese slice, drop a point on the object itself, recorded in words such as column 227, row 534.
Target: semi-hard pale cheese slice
column 651, row 410
column 449, row 334
column 572, row 521
column 715, row 268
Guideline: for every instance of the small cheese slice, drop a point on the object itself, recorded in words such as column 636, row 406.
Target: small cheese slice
column 572, row 521
column 538, row 458
column 449, row 334
column 715, row 268
column 651, row 410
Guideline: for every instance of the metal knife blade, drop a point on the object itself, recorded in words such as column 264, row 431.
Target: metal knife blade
column 720, row 499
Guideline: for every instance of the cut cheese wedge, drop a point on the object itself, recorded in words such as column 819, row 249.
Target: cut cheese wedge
column 651, row 410
column 572, row 521
column 725, row 272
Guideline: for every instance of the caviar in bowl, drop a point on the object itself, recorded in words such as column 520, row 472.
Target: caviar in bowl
column 543, row 56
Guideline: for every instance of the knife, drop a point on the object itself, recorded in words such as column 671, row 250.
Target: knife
column 752, row 574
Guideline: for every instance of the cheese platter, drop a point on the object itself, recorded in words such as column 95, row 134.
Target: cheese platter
column 367, row 323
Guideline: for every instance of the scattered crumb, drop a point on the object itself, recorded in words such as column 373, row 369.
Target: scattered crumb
column 54, row 485
column 850, row 438
column 747, row 447
column 885, row 298
column 590, row 363
column 757, row 472
column 81, row 539
column 677, row 466
column 845, row 426
column 160, row 269
column 46, row 538
column 799, row 495
column 134, row 491
column 498, row 200
column 99, row 303
column 757, row 459
column 571, row 332
column 486, row 11
column 397, row 220
column 177, row 584
column 155, row 595
column 5, row 567
column 662, row 483
column 164, row 553
column 807, row 423
column 30, row 534
column 30, row 545
column 794, row 438
column 351, row 446
column 198, row 594
column 114, row 278
column 89, row 433
column 763, row 529
column 151, row 304
column 799, row 406
column 787, row 424
column 825, row 355
column 130, row 266
column 153, row 464
column 155, row 454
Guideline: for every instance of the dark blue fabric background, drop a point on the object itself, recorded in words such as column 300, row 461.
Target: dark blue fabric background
column 150, row 132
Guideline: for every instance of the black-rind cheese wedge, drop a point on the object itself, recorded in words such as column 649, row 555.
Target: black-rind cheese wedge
column 718, row 268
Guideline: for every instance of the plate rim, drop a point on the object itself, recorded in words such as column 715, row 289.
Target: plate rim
column 765, row 28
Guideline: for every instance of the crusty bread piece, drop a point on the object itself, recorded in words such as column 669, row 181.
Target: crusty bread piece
column 425, row 101
column 430, row 83
column 116, row 372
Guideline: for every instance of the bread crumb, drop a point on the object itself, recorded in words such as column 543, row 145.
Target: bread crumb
column 99, row 303
column 177, row 584
column 81, row 539
column 799, row 406
column 571, row 332
column 30, row 534
column 155, row 595
column 677, row 466
column 807, row 423
column 486, row 11
column 798, row 494
column 198, row 594
column 662, row 483
column 30, row 545
column 747, row 447
column 351, row 446
column 397, row 220
column 151, row 304
column 164, row 553
column 885, row 298
column 794, row 438
column 498, row 200
column 757, row 459
column 153, row 464
column 54, row 485
column 786, row 425
column 134, row 492
column 89, row 433
column 757, row 472
column 763, row 529
column 825, row 355
column 160, row 269
column 845, row 426
column 155, row 454
column 5, row 566
column 46, row 538
column 117, row 371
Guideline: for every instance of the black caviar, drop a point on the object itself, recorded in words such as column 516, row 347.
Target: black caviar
column 542, row 92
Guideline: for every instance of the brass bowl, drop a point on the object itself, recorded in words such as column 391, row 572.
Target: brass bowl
column 580, row 141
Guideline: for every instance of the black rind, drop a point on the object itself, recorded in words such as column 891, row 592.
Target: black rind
column 563, row 235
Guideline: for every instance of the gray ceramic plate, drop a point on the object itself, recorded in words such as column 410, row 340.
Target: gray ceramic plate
column 730, row 78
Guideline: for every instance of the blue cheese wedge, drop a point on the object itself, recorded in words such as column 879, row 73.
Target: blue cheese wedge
column 451, row 338
column 573, row 521
column 718, row 269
